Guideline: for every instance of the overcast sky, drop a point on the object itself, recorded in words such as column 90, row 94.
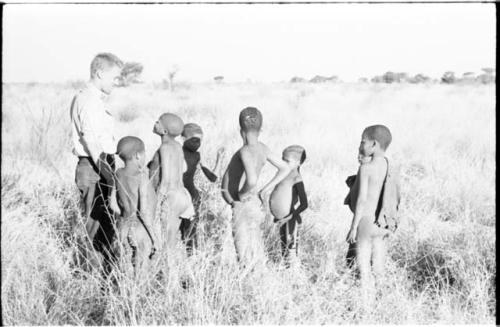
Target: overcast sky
column 259, row 42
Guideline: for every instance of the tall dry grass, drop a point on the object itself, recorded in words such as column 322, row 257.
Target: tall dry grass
column 441, row 266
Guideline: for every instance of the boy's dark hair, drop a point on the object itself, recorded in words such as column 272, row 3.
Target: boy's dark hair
column 104, row 60
column 250, row 119
column 129, row 146
column 379, row 133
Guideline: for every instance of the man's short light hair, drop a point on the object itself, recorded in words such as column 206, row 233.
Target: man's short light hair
column 104, row 60
column 379, row 133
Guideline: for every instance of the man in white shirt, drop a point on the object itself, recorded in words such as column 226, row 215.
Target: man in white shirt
column 95, row 145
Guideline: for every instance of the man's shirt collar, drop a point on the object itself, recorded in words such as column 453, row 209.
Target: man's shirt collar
column 101, row 95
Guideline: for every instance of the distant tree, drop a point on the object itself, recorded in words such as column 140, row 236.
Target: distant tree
column 332, row 79
column 377, row 79
column 171, row 76
column 297, row 79
column 318, row 79
column 488, row 70
column 468, row 77
column 402, row 77
column 448, row 78
column 419, row 78
column 486, row 78
column 389, row 77
column 131, row 72
column 363, row 80
column 219, row 79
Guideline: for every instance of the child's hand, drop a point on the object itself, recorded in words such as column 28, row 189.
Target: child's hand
column 153, row 251
column 262, row 197
column 351, row 236
column 220, row 152
column 284, row 220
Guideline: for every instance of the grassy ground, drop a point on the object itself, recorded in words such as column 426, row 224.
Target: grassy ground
column 442, row 259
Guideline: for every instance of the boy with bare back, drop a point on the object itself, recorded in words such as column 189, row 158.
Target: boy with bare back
column 166, row 170
column 136, row 202
column 374, row 198
column 246, row 201
column 283, row 202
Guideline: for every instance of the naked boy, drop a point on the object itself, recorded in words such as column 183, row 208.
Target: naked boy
column 283, row 201
column 246, row 201
column 166, row 170
column 136, row 202
column 374, row 216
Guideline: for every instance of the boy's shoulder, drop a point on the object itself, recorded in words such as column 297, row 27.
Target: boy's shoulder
column 297, row 178
column 257, row 148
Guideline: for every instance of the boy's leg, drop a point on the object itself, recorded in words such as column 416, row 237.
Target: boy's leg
column 240, row 233
column 351, row 255
column 378, row 256
column 364, row 251
column 184, row 228
column 191, row 236
column 187, row 228
column 283, row 240
column 172, row 227
column 141, row 245
column 292, row 230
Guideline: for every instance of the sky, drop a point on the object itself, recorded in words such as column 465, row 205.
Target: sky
column 55, row 43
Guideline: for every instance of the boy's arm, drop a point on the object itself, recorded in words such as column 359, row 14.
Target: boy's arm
column 154, row 170
column 363, row 175
column 145, row 210
column 212, row 174
column 299, row 188
column 283, row 170
column 208, row 174
column 113, row 202
column 224, row 188
column 301, row 192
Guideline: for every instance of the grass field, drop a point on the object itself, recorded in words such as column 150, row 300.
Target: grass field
column 441, row 266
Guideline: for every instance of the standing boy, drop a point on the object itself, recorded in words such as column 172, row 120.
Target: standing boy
column 374, row 198
column 246, row 201
column 166, row 171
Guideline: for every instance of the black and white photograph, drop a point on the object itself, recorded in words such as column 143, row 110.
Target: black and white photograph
column 257, row 163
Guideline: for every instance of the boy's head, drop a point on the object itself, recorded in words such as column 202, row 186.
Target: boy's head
column 131, row 149
column 375, row 138
column 105, row 71
column 192, row 130
column 250, row 120
column 193, row 135
column 294, row 154
column 170, row 124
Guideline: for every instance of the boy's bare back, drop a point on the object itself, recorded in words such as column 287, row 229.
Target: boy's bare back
column 129, row 190
column 249, row 161
column 172, row 165
column 373, row 174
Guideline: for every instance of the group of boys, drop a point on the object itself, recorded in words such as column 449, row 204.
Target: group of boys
column 145, row 206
